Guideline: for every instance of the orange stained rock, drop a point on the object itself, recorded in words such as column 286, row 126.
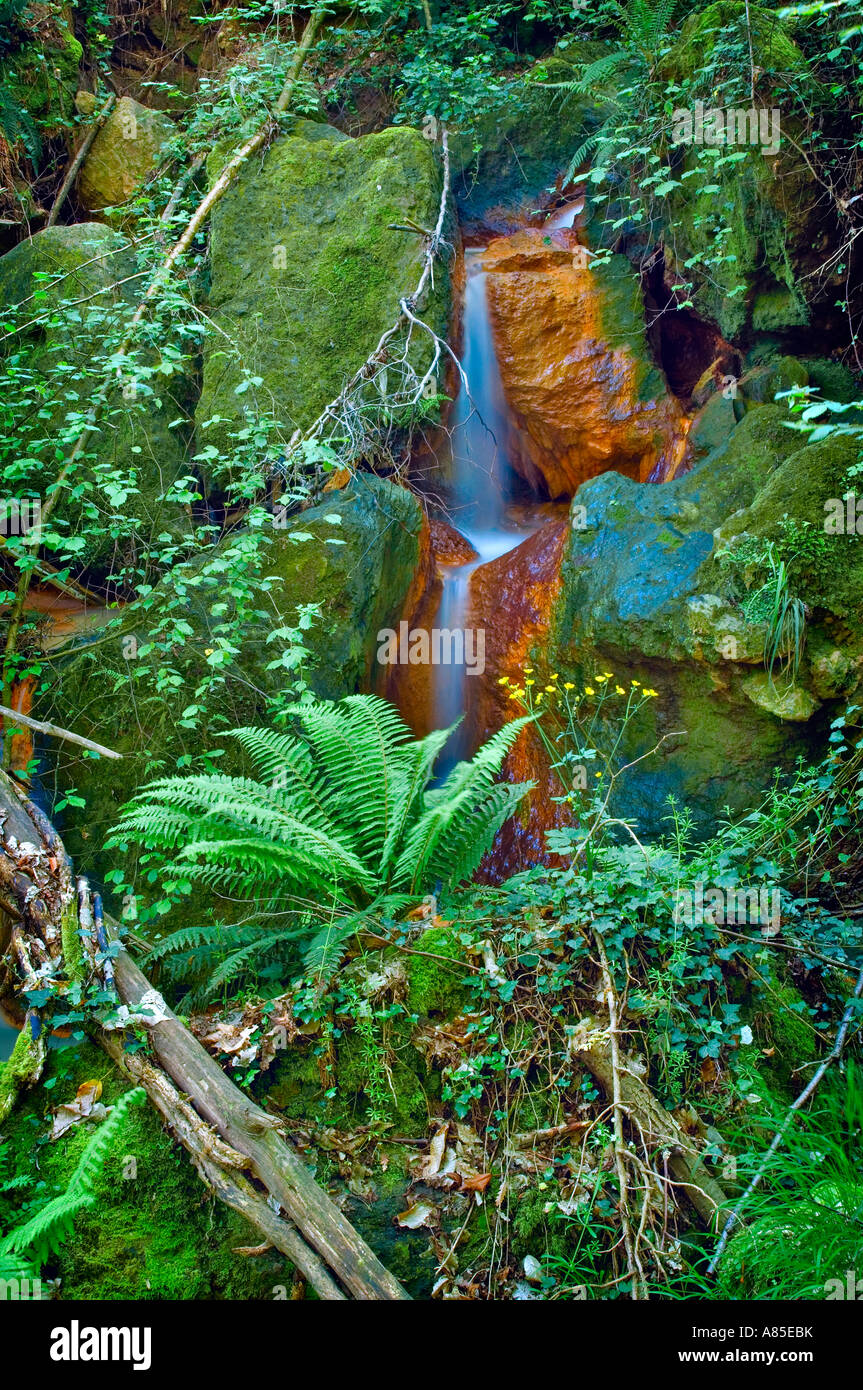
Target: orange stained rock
column 574, row 394
column 513, row 597
column 337, row 480
column 449, row 546
column 21, row 746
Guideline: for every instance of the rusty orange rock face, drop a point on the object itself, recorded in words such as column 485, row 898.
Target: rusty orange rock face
column 449, row 546
column 579, row 397
column 514, row 597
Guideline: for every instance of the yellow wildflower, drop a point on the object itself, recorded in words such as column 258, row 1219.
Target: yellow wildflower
column 635, row 682
column 550, row 690
column 568, row 685
column 618, row 690
column 600, row 680
column 504, row 680
column 530, row 682
column 528, row 670
column 588, row 690
column 654, row 694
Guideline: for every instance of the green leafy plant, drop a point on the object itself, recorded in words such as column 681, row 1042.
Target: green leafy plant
column 805, row 1229
column 345, row 812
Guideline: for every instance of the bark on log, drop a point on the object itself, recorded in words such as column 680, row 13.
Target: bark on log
column 220, row 1166
column 236, row 1146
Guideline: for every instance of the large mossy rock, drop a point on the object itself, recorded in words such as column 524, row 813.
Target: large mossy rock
column 770, row 206
column 77, row 280
column 360, row 556
column 644, row 596
column 124, row 153
column 310, row 253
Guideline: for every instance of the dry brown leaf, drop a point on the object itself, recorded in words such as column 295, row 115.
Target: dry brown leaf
column 478, row 1183
column 418, row 1214
column 83, row 1107
column 437, row 1149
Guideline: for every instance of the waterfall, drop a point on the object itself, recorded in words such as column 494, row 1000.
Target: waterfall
column 480, row 487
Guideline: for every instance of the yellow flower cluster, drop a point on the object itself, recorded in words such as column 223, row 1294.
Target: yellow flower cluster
column 518, row 692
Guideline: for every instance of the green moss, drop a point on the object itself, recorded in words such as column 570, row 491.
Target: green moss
column 746, row 244
column 380, row 1075
column 622, row 324
column 43, row 77
column 772, row 49
column 309, row 295
column 800, row 488
column 434, row 986
column 20, row 1069
column 536, row 1227
column 787, row 1029
column 834, row 381
column 155, row 1233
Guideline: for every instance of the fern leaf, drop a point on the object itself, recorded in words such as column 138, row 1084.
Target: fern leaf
column 42, row 1235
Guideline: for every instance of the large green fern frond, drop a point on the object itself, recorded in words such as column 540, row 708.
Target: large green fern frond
column 469, row 836
column 286, row 762
column 466, row 786
column 48, row 1228
column 410, row 783
column 359, row 745
column 358, row 820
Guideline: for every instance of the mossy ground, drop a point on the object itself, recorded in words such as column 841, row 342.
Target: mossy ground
column 155, row 1232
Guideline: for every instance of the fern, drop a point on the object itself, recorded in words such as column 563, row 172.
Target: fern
column 44, row 1233
column 347, row 816
column 17, row 126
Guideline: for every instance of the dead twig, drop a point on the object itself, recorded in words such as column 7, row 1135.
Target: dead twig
column 14, row 716
column 72, row 171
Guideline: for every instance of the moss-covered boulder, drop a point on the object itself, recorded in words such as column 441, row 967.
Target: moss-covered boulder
column 71, row 289
column 310, row 253
column 645, row 596
column 123, row 154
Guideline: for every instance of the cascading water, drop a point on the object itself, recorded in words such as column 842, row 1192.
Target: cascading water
column 481, row 487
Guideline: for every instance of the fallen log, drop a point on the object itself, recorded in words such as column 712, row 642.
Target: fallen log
column 236, row 1147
